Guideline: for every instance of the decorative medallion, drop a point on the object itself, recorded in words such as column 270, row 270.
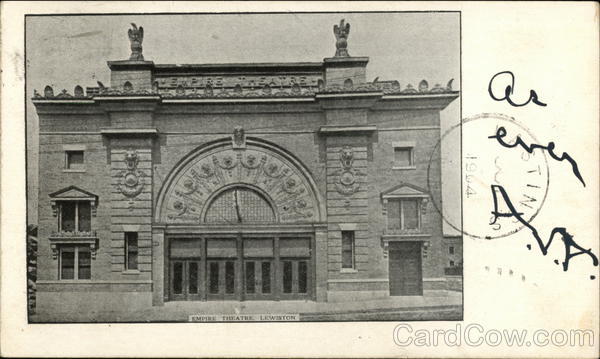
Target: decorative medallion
column 131, row 182
column 346, row 183
column 238, row 138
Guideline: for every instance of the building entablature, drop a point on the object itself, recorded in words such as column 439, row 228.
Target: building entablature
column 328, row 98
column 337, row 82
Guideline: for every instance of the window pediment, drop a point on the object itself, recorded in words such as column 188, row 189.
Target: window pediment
column 404, row 190
column 72, row 193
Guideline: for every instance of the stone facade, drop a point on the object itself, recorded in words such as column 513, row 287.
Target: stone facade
column 309, row 159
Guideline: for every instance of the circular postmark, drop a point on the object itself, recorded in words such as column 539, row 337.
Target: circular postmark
column 486, row 166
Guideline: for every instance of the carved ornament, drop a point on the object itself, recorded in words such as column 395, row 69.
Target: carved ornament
column 346, row 182
column 288, row 190
column 131, row 181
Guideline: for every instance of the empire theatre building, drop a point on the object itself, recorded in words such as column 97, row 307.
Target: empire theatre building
column 165, row 185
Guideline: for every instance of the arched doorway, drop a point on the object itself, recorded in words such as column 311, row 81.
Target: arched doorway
column 239, row 224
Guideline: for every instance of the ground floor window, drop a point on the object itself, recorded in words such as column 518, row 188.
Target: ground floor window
column 131, row 250
column 75, row 262
column 348, row 249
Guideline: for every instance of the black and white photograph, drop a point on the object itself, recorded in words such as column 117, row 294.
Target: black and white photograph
column 286, row 179
column 244, row 167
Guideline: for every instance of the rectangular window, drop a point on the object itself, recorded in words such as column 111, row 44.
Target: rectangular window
column 287, row 277
column 213, row 278
column 193, row 277
column 75, row 262
column 84, row 263
column 451, row 263
column 393, row 213
column 403, row 214
column 229, row 277
column 403, row 157
column 451, row 250
column 178, row 277
column 266, row 277
column 67, row 263
column 84, row 215
column 75, row 216
column 302, row 276
column 410, row 214
column 250, row 284
column 347, row 249
column 74, row 160
column 67, row 216
column 131, row 250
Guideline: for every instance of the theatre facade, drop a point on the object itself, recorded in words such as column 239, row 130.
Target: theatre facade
column 247, row 181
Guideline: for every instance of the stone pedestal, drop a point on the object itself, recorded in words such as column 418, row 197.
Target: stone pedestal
column 345, row 71
column 137, row 73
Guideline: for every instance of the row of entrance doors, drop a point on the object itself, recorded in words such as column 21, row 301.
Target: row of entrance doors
column 272, row 268
column 268, row 268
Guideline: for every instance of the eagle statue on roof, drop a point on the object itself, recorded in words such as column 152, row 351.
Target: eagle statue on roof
column 136, row 36
column 341, row 35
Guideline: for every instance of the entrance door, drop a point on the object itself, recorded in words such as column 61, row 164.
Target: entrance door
column 258, row 279
column 295, row 278
column 259, row 269
column 186, row 269
column 295, row 274
column 221, row 279
column 405, row 271
column 222, row 269
column 185, row 280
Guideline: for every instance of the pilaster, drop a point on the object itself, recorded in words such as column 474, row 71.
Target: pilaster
column 131, row 199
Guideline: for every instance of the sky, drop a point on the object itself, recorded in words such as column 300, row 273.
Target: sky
column 65, row 51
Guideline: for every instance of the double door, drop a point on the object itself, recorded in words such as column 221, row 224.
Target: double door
column 185, row 279
column 271, row 268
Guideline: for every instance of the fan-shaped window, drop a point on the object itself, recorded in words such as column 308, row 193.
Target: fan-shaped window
column 240, row 205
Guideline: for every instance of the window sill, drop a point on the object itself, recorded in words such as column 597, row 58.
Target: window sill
column 348, row 270
column 404, row 167
column 73, row 170
column 131, row 272
column 390, row 234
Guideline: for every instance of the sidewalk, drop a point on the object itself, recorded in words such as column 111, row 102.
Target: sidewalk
column 441, row 305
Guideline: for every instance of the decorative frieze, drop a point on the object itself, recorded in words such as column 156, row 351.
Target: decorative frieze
column 243, row 164
column 238, row 90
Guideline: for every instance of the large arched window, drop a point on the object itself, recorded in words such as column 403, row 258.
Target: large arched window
column 239, row 205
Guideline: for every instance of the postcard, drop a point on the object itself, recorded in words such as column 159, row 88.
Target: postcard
column 201, row 179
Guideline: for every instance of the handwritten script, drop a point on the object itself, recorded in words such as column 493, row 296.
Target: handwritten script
column 566, row 237
column 508, row 91
column 501, row 133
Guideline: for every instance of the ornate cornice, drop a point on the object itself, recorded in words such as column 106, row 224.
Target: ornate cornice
column 238, row 91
